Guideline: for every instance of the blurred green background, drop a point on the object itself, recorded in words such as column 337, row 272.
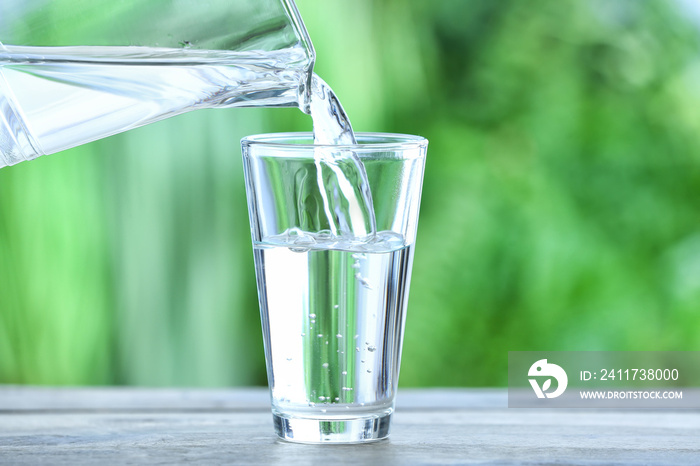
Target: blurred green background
column 561, row 205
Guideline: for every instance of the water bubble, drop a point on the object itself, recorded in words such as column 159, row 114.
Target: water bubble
column 320, row 335
column 363, row 281
column 371, row 349
column 356, row 265
column 312, row 316
column 303, row 334
column 323, row 411
column 321, row 397
column 326, row 341
column 346, row 389
column 312, row 404
column 344, row 372
column 336, row 398
column 362, row 361
column 369, row 371
column 347, row 407
column 339, row 335
column 300, row 240
column 336, row 306
column 357, row 348
column 289, row 359
column 356, row 337
column 325, row 364
column 362, row 404
column 304, row 241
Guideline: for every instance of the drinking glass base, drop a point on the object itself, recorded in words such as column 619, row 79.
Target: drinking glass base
column 304, row 430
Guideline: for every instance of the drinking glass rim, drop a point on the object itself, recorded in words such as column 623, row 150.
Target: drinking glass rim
column 385, row 141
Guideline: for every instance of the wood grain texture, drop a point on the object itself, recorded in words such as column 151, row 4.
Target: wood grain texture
column 170, row 426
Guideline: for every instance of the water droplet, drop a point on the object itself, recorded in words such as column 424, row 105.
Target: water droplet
column 356, row 337
column 357, row 348
column 371, row 349
column 326, row 341
column 362, row 361
column 320, row 335
column 325, row 364
column 369, row 371
column 346, row 389
column 303, row 334
column 339, row 335
column 344, row 372
column 321, row 398
column 312, row 316
column 336, row 306
column 336, row 398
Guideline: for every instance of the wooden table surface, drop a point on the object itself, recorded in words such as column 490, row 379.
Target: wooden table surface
column 233, row 426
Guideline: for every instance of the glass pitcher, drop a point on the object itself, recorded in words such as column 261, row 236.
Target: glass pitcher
column 74, row 71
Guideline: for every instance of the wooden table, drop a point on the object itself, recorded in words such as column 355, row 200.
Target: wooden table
column 462, row 426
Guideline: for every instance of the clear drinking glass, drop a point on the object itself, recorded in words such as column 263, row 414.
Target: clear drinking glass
column 332, row 308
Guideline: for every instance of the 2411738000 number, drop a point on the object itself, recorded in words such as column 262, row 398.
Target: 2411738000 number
column 639, row 374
